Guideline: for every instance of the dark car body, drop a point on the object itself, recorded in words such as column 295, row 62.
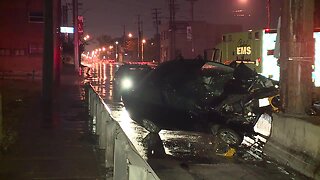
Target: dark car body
column 128, row 73
column 192, row 95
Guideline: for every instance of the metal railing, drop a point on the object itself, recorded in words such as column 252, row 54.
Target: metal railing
column 120, row 153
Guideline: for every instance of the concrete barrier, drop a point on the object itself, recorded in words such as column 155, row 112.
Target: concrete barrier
column 120, row 154
column 295, row 141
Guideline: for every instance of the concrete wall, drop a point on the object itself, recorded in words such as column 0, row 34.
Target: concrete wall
column 295, row 141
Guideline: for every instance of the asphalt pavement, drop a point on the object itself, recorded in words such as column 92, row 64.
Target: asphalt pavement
column 54, row 144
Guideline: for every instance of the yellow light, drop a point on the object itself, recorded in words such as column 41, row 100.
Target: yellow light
column 243, row 1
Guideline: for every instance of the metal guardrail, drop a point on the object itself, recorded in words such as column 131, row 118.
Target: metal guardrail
column 120, row 153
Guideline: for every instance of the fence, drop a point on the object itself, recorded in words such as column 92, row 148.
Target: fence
column 120, row 153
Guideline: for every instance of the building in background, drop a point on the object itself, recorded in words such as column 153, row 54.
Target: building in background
column 190, row 39
column 22, row 31
column 317, row 14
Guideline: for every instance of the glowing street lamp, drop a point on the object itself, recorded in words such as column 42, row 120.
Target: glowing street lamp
column 143, row 42
column 243, row 1
column 116, row 50
column 87, row 37
column 130, row 35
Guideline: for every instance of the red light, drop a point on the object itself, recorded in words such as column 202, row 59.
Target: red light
column 267, row 30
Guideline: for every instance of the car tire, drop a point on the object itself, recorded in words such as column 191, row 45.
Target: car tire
column 230, row 136
column 150, row 126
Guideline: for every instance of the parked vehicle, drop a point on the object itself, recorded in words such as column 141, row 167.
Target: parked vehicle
column 260, row 50
column 196, row 95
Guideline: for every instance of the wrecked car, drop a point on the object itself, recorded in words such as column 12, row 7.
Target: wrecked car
column 197, row 95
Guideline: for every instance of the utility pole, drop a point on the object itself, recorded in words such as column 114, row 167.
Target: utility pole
column 191, row 9
column 172, row 28
column 75, row 35
column 156, row 18
column 47, row 64
column 139, row 37
column 124, row 36
column 268, row 13
column 57, row 42
column 296, row 55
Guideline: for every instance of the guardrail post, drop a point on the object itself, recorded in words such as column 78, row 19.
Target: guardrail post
column 121, row 170
column 110, row 135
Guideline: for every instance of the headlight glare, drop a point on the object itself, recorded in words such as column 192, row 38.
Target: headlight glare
column 126, row 83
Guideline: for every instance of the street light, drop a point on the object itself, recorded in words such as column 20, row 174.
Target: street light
column 243, row 1
column 116, row 50
column 143, row 42
column 130, row 35
column 87, row 37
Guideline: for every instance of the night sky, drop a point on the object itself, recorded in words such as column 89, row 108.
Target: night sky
column 109, row 16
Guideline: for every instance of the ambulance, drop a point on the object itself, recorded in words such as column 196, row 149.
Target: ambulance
column 259, row 49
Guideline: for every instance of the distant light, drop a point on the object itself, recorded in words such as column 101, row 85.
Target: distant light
column 267, row 30
column 66, row 29
column 243, row 1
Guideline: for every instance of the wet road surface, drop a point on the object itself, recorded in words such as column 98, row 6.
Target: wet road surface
column 202, row 155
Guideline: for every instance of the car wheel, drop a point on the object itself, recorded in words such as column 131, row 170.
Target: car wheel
column 230, row 136
column 150, row 126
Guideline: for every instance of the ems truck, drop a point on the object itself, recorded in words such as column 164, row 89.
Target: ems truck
column 258, row 50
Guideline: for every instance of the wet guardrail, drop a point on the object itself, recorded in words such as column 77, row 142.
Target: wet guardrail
column 120, row 153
